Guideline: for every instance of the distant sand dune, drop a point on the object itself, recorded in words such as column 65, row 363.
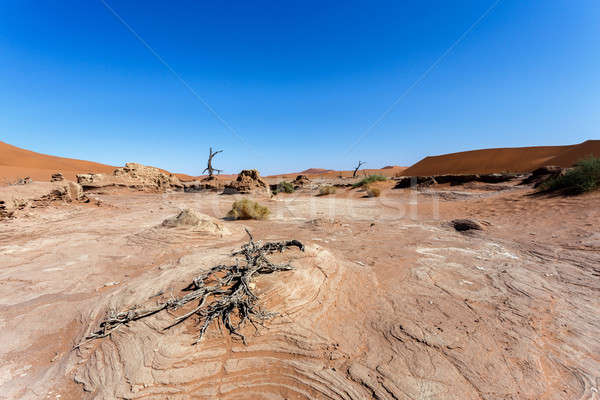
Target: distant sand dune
column 576, row 153
column 17, row 163
column 518, row 159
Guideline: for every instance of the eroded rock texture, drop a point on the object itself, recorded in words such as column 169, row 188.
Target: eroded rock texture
column 132, row 175
column 247, row 181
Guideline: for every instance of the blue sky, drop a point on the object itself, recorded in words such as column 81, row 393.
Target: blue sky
column 299, row 82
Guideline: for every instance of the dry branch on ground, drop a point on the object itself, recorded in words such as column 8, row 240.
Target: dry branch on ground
column 223, row 293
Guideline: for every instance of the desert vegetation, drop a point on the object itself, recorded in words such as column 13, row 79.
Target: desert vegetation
column 369, row 179
column 373, row 191
column 284, row 187
column 327, row 190
column 584, row 177
column 248, row 209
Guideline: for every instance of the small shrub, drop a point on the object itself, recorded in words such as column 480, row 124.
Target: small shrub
column 284, row 187
column 325, row 190
column 373, row 191
column 248, row 209
column 584, row 177
column 368, row 180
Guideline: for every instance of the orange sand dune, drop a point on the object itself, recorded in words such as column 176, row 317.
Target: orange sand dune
column 576, row 153
column 388, row 171
column 517, row 159
column 311, row 171
column 17, row 163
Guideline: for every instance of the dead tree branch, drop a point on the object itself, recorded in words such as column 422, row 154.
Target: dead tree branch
column 210, row 168
column 360, row 164
column 223, row 293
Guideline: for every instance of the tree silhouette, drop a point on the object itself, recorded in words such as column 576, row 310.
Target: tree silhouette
column 210, row 168
column 360, row 164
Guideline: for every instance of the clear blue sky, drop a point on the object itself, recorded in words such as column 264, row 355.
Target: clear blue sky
column 298, row 81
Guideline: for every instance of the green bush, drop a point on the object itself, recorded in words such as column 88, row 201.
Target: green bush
column 584, row 177
column 248, row 209
column 369, row 179
column 325, row 190
column 284, row 187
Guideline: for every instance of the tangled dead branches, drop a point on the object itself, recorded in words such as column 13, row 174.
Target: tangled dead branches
column 224, row 293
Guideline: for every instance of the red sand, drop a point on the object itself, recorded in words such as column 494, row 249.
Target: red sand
column 315, row 171
column 17, row 163
column 388, row 171
column 577, row 152
column 518, row 159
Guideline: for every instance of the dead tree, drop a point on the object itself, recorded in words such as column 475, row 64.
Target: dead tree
column 222, row 294
column 210, row 168
column 360, row 164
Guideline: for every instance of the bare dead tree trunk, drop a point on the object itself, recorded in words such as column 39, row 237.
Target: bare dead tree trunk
column 360, row 164
column 210, row 168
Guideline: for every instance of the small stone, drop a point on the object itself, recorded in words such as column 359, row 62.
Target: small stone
column 462, row 225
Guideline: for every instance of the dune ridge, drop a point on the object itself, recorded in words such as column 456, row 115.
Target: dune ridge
column 16, row 163
column 516, row 159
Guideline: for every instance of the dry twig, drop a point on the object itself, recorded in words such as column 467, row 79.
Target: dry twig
column 224, row 293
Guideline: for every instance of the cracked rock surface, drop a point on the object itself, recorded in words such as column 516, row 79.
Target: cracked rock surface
column 387, row 302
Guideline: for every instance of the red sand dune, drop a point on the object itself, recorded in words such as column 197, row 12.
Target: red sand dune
column 388, row 171
column 517, row 159
column 577, row 152
column 311, row 171
column 17, row 163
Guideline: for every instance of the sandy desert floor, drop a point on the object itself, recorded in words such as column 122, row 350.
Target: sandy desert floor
column 387, row 302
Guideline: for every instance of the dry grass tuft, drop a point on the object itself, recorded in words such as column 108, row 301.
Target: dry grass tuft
column 325, row 190
column 373, row 191
column 248, row 209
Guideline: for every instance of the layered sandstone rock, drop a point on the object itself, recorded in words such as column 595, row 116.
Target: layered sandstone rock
column 72, row 191
column 57, row 177
column 300, row 181
column 248, row 181
column 208, row 183
column 5, row 212
column 132, row 175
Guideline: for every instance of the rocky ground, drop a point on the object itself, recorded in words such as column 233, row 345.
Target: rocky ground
column 388, row 301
